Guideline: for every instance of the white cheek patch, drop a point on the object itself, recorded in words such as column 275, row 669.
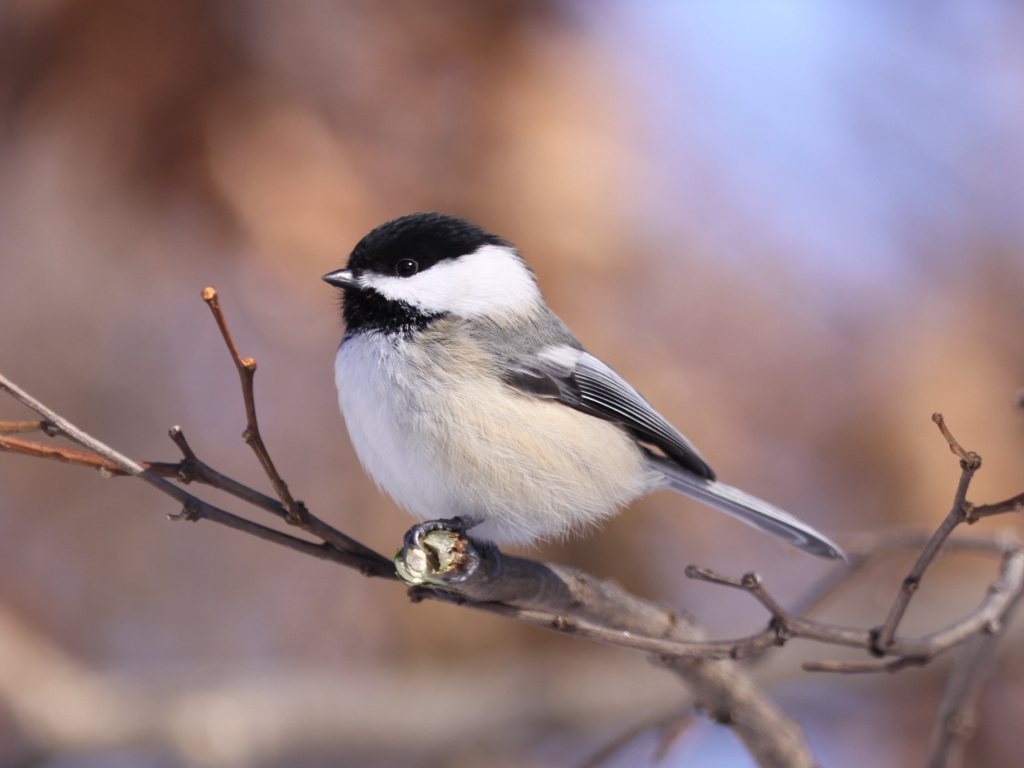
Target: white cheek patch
column 490, row 282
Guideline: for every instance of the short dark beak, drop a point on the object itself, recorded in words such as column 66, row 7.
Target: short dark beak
column 341, row 278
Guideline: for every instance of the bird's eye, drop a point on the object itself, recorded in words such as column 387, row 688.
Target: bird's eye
column 407, row 268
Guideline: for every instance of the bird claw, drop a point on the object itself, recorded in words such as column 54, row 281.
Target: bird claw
column 414, row 536
column 438, row 553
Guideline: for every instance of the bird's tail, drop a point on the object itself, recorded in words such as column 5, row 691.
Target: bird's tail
column 750, row 509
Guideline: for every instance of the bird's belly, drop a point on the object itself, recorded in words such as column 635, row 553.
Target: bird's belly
column 444, row 445
column 380, row 409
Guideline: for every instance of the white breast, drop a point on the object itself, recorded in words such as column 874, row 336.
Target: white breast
column 444, row 437
column 380, row 403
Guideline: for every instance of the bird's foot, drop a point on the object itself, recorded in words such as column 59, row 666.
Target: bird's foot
column 438, row 553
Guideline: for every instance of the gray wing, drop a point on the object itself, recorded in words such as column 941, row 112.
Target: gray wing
column 583, row 382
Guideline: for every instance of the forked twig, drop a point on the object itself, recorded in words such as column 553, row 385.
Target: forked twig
column 962, row 511
column 246, row 373
column 194, row 508
column 295, row 511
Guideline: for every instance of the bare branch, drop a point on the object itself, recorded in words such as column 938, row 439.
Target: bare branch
column 749, row 582
column 860, row 667
column 246, row 373
column 969, row 464
column 295, row 511
column 191, row 469
column 970, row 458
column 1014, row 504
column 20, row 427
column 194, row 508
column 81, row 458
column 554, row 596
column 575, row 603
column 453, row 568
column 721, row 688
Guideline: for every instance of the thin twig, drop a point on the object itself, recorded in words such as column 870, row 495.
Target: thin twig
column 672, row 725
column 20, row 427
column 709, row 650
column 860, row 667
column 296, row 512
column 194, row 508
column 80, row 458
column 189, row 470
column 246, row 373
column 970, row 458
column 749, row 582
column 192, row 469
column 987, row 617
column 970, row 462
column 671, row 732
column 1011, row 505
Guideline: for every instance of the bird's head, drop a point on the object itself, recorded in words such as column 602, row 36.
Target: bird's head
column 418, row 267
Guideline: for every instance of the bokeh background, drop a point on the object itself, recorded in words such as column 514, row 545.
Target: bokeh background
column 797, row 228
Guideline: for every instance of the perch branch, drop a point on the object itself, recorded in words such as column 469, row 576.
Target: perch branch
column 773, row 739
column 457, row 570
column 518, row 577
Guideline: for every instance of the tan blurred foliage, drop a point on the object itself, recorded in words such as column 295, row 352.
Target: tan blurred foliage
column 149, row 149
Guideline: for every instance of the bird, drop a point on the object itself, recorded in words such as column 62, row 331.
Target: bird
column 471, row 403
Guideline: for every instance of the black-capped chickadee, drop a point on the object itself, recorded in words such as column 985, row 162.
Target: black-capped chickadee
column 465, row 395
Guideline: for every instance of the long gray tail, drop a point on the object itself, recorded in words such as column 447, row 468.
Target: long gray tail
column 750, row 509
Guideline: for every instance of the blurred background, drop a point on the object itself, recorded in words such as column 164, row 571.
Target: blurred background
column 797, row 228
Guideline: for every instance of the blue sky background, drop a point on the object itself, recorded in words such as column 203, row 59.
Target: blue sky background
column 863, row 144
